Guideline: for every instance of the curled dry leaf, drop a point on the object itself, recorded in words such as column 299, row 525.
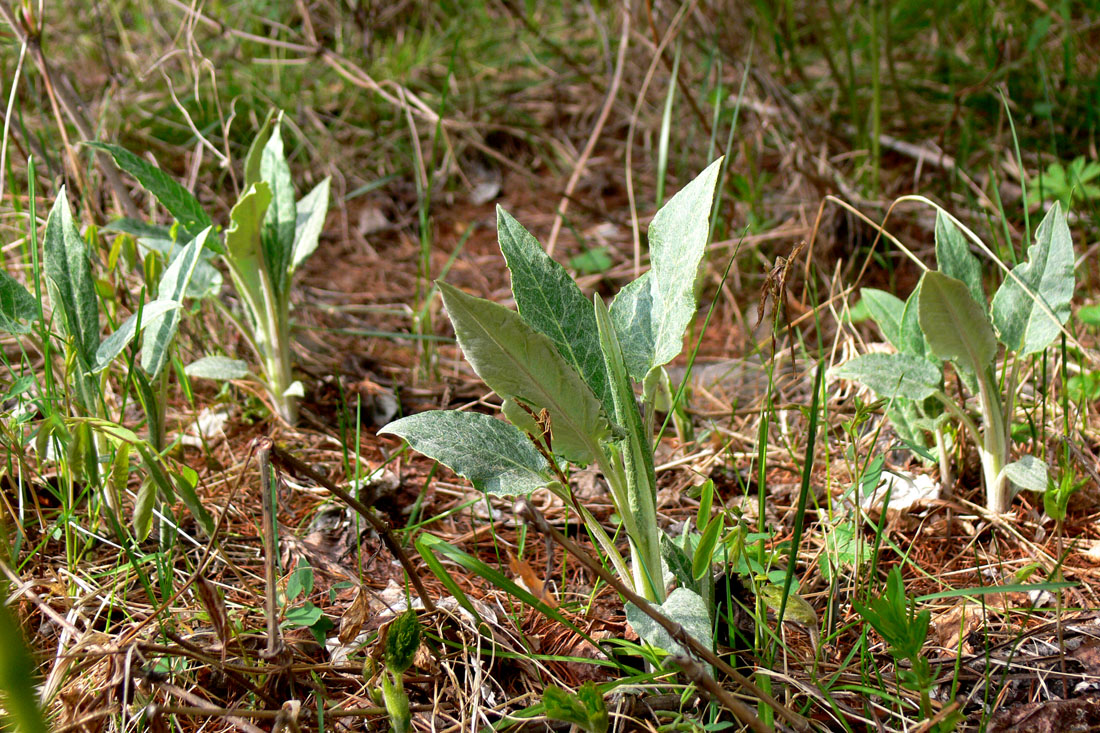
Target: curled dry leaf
column 353, row 619
column 530, row 580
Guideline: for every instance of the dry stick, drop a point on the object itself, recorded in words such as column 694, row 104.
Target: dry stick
column 71, row 106
column 612, row 93
column 298, row 468
column 675, row 630
column 275, row 646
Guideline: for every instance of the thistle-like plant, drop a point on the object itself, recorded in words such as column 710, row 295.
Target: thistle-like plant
column 566, row 369
column 269, row 236
column 953, row 323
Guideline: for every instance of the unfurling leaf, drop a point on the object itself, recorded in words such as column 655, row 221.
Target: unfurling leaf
column 495, row 456
column 402, row 640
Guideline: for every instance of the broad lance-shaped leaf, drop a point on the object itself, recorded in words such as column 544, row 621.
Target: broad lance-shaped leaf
column 886, row 310
column 954, row 258
column 178, row 201
column 520, row 363
column 16, row 306
column 955, row 325
column 550, row 302
column 495, row 456
column 277, row 234
column 1024, row 324
column 217, row 367
column 685, row 607
column 894, row 375
column 311, row 212
column 173, row 283
column 652, row 313
column 912, row 340
column 113, row 345
column 69, row 278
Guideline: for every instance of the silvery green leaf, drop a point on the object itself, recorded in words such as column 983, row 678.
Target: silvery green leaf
column 520, row 363
column 159, row 334
column 685, row 607
column 1029, row 473
column 221, row 368
column 679, row 564
column 954, row 258
column 1023, row 324
column 886, row 310
column 16, row 306
column 242, row 245
column 894, row 375
column 206, row 280
column 311, row 211
column 176, row 199
column 495, row 456
column 256, row 149
column 69, row 277
column 280, row 220
column 912, row 340
column 955, row 325
column 550, row 302
column 113, row 345
column 652, row 313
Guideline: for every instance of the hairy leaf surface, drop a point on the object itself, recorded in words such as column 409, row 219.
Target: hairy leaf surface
column 550, row 302
column 1023, row 323
column 652, row 313
column 69, row 277
column 495, row 456
column 177, row 200
column 886, row 311
column 685, row 607
column 954, row 258
column 520, row 363
column 894, row 375
column 311, row 211
column 281, row 217
column 173, row 285
column 16, row 306
column 955, row 325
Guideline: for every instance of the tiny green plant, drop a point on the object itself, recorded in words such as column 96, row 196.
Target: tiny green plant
column 269, row 236
column 304, row 614
column 565, row 368
column 402, row 641
column 1066, row 184
column 954, row 323
column 904, row 630
column 584, row 708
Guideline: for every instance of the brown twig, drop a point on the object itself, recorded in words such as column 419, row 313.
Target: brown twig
column 675, row 630
column 298, row 468
column 275, row 646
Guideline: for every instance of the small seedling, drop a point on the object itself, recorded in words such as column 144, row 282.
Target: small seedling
column 584, row 708
column 1066, row 184
column 269, row 236
column 953, row 323
column 402, row 641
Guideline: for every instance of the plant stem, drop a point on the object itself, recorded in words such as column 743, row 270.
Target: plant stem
column 994, row 448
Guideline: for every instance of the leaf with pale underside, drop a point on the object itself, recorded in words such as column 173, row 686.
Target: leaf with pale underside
column 893, row 375
column 221, row 368
column 651, row 314
column 550, row 302
column 1028, row 473
column 113, row 345
column 521, row 364
column 956, row 326
column 1039, row 288
column 280, row 220
column 173, row 285
column 311, row 211
column 494, row 455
